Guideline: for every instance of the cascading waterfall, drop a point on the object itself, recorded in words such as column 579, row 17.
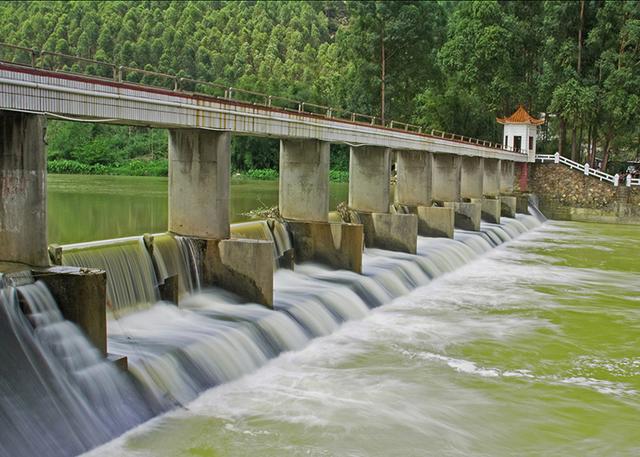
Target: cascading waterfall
column 212, row 338
column 131, row 279
column 64, row 398
column 175, row 256
column 175, row 353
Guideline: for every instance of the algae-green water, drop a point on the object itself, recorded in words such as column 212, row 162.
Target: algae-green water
column 530, row 350
column 87, row 208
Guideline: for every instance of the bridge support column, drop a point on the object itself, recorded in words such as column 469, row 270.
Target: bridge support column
column 23, row 194
column 304, row 203
column 413, row 190
column 199, row 173
column 471, row 185
column 508, row 201
column 304, row 180
column 491, row 204
column 369, row 198
column 447, row 181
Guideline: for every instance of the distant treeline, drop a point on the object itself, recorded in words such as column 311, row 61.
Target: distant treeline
column 448, row 65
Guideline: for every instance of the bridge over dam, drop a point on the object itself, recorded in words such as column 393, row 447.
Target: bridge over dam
column 443, row 180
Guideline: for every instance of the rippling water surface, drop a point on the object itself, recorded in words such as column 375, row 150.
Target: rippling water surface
column 532, row 349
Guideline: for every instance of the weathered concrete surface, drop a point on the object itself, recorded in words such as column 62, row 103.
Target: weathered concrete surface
column 23, row 194
column 471, row 177
column 508, row 204
column 81, row 294
column 491, row 181
column 199, row 183
column 446, row 177
column 337, row 245
column 304, row 180
column 414, row 181
column 434, row 221
column 491, row 209
column 467, row 214
column 242, row 266
column 369, row 179
column 394, row 232
column 507, row 176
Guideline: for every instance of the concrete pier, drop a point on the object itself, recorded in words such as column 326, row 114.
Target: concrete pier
column 508, row 205
column 23, row 195
column 304, row 180
column 370, row 201
column 492, row 171
column 242, row 266
column 369, row 179
column 447, row 170
column 472, row 177
column 337, row 245
column 81, row 294
column 199, row 183
column 414, row 170
column 447, row 184
column 507, row 176
column 491, row 209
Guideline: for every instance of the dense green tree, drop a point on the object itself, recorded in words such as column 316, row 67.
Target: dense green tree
column 447, row 65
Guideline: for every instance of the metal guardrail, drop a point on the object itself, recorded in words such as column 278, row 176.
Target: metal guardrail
column 67, row 64
column 587, row 170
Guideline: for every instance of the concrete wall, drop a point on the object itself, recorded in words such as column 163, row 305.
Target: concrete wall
column 304, row 180
column 369, row 179
column 199, row 183
column 414, row 178
column 507, row 176
column 472, row 177
column 446, row 177
column 23, row 202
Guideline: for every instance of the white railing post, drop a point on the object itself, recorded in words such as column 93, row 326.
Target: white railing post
column 586, row 169
column 556, row 157
column 616, row 179
column 628, row 180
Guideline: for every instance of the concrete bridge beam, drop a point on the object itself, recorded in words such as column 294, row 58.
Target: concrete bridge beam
column 199, row 183
column 304, row 180
column 23, row 194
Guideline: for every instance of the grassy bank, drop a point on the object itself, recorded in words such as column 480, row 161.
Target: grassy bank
column 161, row 168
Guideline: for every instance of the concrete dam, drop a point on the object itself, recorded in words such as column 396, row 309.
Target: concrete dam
column 100, row 337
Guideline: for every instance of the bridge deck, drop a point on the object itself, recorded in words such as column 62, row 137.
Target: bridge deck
column 74, row 96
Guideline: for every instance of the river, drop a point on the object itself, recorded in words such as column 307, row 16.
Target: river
column 87, row 208
column 531, row 349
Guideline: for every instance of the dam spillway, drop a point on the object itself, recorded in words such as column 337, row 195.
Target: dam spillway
column 177, row 353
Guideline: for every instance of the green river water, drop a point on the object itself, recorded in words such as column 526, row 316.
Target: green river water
column 88, row 208
column 530, row 350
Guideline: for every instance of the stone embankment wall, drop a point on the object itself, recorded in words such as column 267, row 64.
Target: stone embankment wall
column 567, row 194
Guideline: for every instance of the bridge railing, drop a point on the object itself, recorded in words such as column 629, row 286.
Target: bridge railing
column 587, row 170
column 63, row 63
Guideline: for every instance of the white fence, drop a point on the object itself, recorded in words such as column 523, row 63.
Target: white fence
column 587, row 170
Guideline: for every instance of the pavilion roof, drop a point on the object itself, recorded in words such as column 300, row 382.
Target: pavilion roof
column 520, row 117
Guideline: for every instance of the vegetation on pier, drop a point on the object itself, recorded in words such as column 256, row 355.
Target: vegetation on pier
column 453, row 66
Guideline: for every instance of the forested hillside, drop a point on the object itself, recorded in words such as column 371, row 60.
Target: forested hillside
column 453, row 66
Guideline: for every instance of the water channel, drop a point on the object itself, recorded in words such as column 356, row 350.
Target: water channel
column 529, row 348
